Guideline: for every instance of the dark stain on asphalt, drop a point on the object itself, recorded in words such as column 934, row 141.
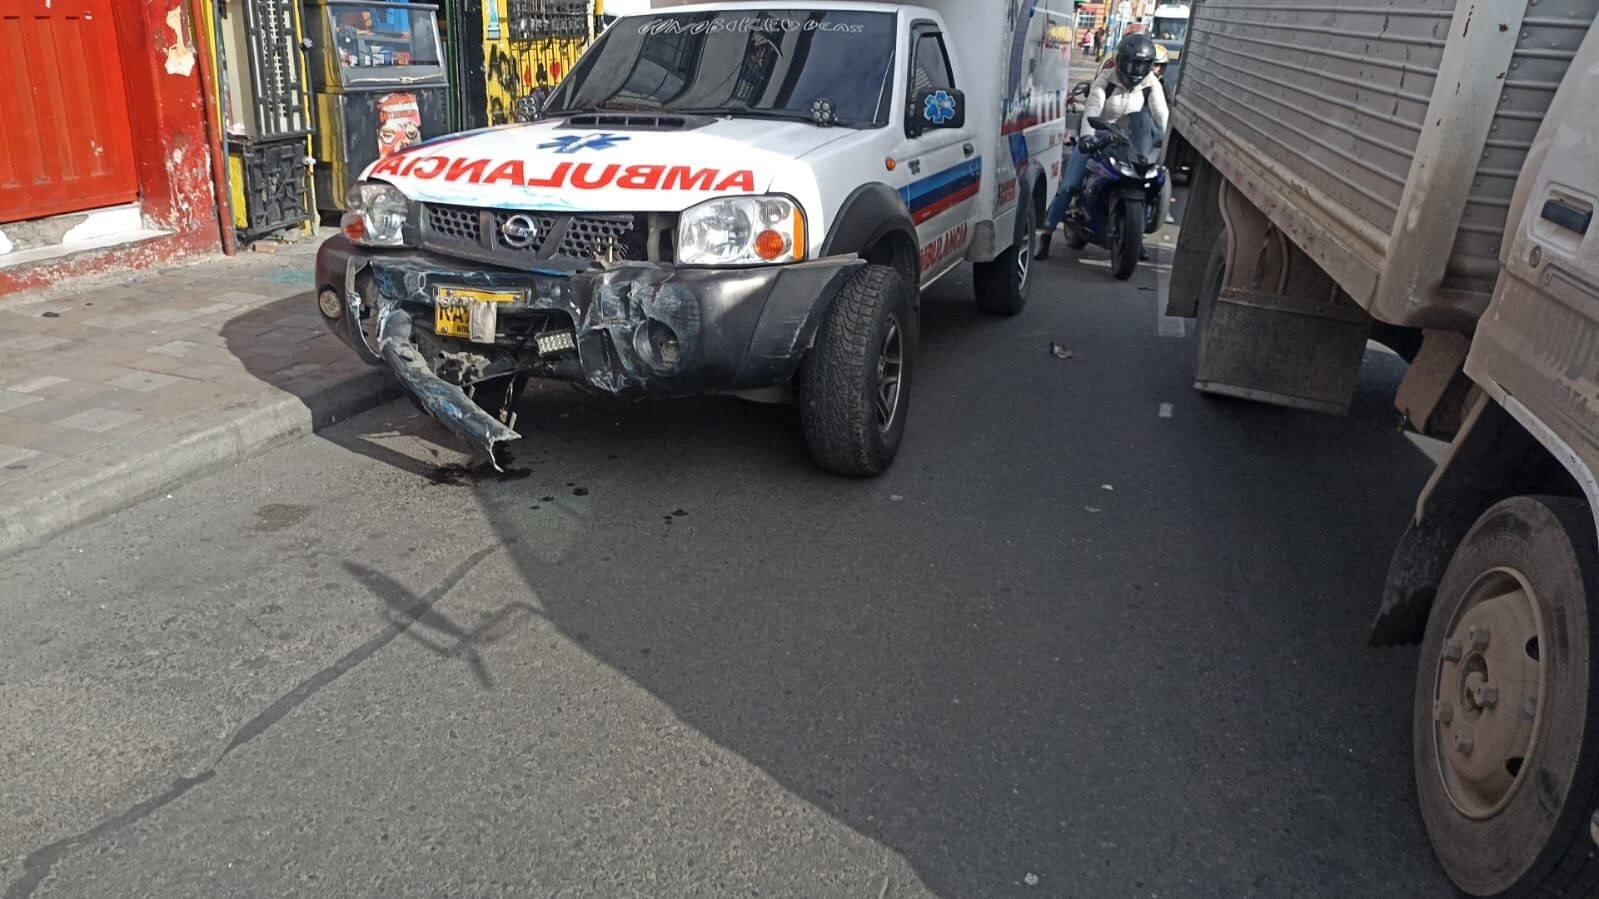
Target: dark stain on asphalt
column 274, row 517
column 38, row 863
column 459, row 475
column 580, row 491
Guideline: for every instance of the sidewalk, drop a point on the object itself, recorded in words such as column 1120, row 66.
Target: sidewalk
column 114, row 388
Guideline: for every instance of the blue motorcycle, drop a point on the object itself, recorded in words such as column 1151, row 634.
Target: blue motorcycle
column 1121, row 197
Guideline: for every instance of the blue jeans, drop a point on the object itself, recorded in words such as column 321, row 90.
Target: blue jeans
column 1070, row 180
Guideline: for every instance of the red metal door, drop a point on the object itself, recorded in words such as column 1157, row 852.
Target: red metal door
column 64, row 137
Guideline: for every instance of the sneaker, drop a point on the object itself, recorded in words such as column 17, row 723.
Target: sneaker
column 1043, row 245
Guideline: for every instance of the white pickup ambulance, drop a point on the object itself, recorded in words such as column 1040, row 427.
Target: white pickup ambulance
column 727, row 197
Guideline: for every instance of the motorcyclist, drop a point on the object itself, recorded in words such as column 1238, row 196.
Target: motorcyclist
column 1118, row 92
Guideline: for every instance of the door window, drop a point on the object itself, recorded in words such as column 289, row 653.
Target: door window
column 930, row 64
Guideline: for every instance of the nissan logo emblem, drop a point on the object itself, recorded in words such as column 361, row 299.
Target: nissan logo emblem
column 519, row 232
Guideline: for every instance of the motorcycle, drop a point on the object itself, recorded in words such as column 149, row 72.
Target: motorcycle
column 1121, row 197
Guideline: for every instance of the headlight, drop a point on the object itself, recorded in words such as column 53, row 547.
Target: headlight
column 375, row 214
column 1125, row 168
column 741, row 231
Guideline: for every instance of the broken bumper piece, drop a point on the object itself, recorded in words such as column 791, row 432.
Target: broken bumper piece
column 630, row 329
column 444, row 401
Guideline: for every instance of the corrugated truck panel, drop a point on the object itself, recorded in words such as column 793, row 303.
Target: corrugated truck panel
column 1330, row 115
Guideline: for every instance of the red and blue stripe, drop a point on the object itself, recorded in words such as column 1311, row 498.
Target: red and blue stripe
column 943, row 191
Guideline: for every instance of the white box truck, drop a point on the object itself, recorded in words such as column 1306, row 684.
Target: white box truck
column 723, row 197
column 1425, row 174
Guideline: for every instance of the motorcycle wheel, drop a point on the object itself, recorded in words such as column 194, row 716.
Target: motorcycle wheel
column 1075, row 240
column 1127, row 239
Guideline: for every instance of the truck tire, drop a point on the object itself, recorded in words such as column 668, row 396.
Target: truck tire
column 1127, row 239
column 855, row 383
column 1506, row 754
column 1002, row 285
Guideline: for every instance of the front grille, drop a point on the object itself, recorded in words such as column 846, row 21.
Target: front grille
column 479, row 234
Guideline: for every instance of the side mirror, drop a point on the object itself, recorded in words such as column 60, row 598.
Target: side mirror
column 936, row 109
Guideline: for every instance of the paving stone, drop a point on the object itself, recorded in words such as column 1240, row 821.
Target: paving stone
column 48, row 437
column 143, row 381
column 177, row 349
column 99, row 420
column 11, row 455
column 112, row 321
column 34, row 343
column 37, row 384
column 11, row 400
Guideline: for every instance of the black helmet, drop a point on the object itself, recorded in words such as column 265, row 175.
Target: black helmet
column 1135, row 58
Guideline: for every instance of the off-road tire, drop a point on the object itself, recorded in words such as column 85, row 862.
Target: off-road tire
column 1002, row 285
column 1538, row 840
column 839, row 379
column 1127, row 239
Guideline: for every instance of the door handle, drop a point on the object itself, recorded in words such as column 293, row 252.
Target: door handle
column 1567, row 216
column 969, row 149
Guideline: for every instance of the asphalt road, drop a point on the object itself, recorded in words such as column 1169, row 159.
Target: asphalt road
column 1093, row 635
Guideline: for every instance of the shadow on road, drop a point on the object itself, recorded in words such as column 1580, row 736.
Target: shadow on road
column 1062, row 637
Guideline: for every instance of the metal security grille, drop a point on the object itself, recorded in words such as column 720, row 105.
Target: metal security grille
column 537, row 20
column 275, row 70
column 478, row 234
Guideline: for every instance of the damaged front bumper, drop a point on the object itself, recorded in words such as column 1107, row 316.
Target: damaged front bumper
column 631, row 328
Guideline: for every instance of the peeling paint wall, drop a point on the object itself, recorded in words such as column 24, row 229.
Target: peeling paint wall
column 178, row 49
column 172, row 155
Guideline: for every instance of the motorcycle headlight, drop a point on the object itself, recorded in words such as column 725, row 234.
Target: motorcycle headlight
column 741, row 231
column 1125, row 168
column 375, row 214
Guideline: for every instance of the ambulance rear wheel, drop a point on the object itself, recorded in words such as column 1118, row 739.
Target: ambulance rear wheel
column 1002, row 285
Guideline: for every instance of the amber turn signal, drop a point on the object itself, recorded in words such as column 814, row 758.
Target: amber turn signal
column 770, row 244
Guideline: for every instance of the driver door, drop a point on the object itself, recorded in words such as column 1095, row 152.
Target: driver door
column 940, row 175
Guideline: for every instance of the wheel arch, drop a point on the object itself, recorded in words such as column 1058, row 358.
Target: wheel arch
column 1501, row 450
column 874, row 223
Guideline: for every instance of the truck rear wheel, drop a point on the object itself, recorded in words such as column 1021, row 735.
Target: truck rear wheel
column 1002, row 285
column 1127, row 239
column 854, row 385
column 1507, row 764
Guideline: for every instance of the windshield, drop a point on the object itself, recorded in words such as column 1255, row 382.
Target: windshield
column 1137, row 138
column 1170, row 29
column 775, row 62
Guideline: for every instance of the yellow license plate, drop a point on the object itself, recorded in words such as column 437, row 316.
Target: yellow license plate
column 452, row 308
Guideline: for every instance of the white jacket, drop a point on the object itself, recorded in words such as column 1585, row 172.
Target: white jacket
column 1109, row 100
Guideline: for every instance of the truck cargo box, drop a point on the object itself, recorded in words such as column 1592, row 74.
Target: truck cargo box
column 1384, row 138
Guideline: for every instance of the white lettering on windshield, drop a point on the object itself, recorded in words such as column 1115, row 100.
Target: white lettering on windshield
column 747, row 24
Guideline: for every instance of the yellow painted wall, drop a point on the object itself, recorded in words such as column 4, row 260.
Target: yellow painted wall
column 518, row 69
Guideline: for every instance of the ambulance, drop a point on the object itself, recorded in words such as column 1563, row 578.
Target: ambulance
column 743, row 198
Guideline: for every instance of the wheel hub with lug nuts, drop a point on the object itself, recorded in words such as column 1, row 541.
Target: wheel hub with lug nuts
column 1488, row 693
column 890, row 374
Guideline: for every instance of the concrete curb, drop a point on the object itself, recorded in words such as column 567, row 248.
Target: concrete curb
column 249, row 430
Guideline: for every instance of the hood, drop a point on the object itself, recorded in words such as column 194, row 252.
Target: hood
column 554, row 166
